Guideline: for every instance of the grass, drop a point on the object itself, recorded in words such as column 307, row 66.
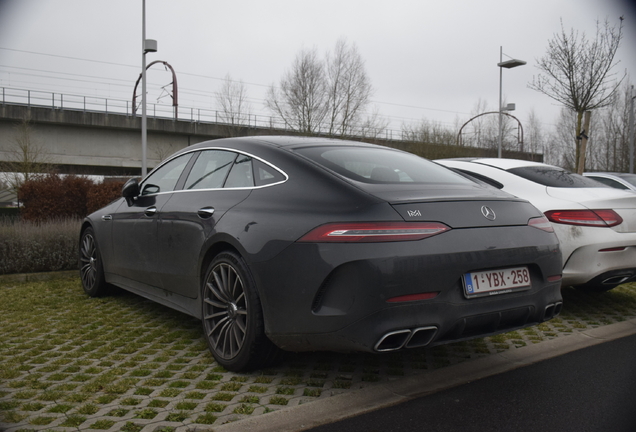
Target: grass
column 68, row 360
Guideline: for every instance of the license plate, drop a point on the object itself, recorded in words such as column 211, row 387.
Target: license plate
column 493, row 282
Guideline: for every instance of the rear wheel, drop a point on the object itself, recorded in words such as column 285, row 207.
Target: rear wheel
column 232, row 316
column 91, row 267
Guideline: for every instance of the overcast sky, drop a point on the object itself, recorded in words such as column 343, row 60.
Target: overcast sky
column 426, row 59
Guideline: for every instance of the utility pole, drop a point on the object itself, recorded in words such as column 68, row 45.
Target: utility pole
column 630, row 130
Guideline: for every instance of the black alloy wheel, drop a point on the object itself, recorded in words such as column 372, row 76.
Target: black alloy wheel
column 232, row 316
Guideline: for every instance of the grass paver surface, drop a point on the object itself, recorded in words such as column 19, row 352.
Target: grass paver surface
column 123, row 363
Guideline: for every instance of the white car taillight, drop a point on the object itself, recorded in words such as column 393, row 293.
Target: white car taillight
column 595, row 218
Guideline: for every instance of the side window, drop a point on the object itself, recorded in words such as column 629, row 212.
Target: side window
column 165, row 178
column 241, row 173
column 210, row 170
column 265, row 174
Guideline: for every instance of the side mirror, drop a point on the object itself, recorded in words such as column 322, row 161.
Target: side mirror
column 130, row 189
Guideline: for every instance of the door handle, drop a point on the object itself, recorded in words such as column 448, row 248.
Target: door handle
column 205, row 212
column 150, row 211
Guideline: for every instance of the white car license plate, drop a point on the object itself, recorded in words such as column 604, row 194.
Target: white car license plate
column 494, row 282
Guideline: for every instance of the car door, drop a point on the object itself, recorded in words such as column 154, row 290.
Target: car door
column 135, row 224
column 218, row 180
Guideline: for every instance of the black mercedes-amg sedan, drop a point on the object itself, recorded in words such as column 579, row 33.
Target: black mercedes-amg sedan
column 306, row 244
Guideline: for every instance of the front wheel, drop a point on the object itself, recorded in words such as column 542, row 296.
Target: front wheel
column 232, row 316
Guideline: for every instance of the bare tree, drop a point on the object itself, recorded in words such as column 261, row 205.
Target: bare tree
column 577, row 73
column 560, row 152
column 26, row 158
column 534, row 137
column 430, row 133
column 609, row 150
column 329, row 96
column 373, row 126
column 349, row 88
column 231, row 100
column 300, row 99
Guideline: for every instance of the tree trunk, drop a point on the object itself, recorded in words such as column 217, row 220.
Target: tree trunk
column 583, row 135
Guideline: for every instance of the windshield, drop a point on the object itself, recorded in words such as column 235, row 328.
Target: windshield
column 381, row 166
column 555, row 177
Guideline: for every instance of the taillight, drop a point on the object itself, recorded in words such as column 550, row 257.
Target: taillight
column 369, row 232
column 541, row 223
column 596, row 218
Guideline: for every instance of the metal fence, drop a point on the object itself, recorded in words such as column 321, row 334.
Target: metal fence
column 63, row 101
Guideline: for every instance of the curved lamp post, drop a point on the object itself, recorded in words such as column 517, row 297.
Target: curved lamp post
column 175, row 89
column 519, row 130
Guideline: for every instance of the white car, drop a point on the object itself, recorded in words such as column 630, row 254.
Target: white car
column 596, row 224
column 616, row 180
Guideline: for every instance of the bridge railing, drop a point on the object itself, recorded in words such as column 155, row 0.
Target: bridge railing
column 62, row 101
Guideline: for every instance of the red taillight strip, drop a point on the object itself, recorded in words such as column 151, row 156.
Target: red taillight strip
column 373, row 232
column 594, row 218
column 413, row 297
column 614, row 249
column 555, row 278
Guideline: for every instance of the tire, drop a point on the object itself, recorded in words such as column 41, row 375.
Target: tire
column 91, row 267
column 232, row 316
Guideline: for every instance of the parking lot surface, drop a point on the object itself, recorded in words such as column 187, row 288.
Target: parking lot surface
column 122, row 363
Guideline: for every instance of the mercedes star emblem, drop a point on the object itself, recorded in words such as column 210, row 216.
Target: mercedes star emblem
column 488, row 213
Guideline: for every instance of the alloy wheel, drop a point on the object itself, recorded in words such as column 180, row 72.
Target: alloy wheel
column 225, row 311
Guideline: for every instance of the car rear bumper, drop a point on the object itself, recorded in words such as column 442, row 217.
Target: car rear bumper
column 334, row 296
column 419, row 325
column 596, row 255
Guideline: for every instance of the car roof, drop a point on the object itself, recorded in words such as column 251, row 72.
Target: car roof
column 507, row 164
column 283, row 141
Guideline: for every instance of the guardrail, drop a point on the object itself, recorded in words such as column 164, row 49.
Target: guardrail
column 97, row 104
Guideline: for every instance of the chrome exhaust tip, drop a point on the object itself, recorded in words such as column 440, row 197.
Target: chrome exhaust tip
column 399, row 339
column 552, row 310
column 421, row 336
column 393, row 341
column 615, row 280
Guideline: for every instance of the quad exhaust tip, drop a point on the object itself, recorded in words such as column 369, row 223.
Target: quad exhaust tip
column 406, row 338
column 552, row 310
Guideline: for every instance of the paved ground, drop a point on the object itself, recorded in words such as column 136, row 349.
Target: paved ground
column 592, row 389
column 68, row 362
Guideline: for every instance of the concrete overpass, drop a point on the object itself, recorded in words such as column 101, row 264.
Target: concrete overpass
column 80, row 141
column 85, row 142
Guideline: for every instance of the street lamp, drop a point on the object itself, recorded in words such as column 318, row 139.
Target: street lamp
column 508, row 64
column 148, row 45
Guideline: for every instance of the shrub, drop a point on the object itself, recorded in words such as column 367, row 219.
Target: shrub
column 103, row 194
column 29, row 247
column 54, row 197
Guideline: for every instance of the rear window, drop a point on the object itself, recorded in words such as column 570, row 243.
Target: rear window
column 631, row 178
column 381, row 166
column 555, row 177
